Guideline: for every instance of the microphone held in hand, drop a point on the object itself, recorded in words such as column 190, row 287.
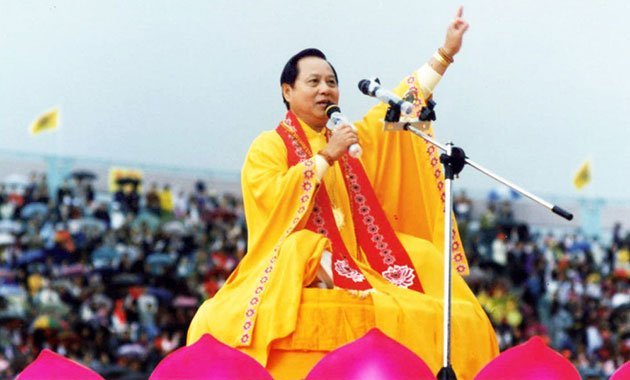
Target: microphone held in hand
column 336, row 118
column 372, row 87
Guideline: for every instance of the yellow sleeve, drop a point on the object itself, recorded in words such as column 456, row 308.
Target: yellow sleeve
column 274, row 194
column 407, row 175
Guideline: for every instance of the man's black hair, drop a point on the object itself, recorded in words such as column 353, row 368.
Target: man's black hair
column 290, row 71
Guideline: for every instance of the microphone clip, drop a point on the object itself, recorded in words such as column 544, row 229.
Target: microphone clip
column 425, row 116
column 393, row 114
column 428, row 112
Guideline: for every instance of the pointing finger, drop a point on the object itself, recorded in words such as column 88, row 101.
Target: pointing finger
column 460, row 11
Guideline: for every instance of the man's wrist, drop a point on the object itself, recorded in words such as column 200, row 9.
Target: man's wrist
column 321, row 167
column 446, row 53
column 329, row 159
column 441, row 60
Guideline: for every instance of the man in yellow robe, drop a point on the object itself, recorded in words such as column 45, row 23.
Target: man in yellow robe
column 266, row 308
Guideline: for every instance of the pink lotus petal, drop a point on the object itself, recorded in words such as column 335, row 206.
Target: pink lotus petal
column 52, row 366
column 622, row 373
column 208, row 358
column 374, row 356
column 532, row 360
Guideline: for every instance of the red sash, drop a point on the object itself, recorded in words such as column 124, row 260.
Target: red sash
column 385, row 253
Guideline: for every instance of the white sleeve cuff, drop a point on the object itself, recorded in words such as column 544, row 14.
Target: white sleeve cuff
column 321, row 165
column 428, row 79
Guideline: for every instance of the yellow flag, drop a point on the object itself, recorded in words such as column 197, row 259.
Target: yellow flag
column 49, row 121
column 583, row 175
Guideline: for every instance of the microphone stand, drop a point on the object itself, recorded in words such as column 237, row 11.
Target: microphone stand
column 454, row 159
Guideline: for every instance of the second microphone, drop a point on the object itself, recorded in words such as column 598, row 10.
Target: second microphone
column 335, row 119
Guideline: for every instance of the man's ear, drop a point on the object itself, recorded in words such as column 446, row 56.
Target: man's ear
column 286, row 92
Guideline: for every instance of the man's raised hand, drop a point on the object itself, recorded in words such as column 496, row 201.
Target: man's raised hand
column 455, row 33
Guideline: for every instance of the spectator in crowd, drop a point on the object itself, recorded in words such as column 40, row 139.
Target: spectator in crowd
column 152, row 198
column 166, row 200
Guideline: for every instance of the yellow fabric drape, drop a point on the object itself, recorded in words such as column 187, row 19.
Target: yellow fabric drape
column 287, row 256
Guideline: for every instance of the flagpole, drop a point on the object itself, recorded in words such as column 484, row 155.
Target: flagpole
column 58, row 138
column 57, row 167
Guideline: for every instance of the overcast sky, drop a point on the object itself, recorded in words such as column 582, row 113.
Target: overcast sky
column 539, row 86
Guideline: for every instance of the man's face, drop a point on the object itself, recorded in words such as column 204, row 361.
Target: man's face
column 315, row 87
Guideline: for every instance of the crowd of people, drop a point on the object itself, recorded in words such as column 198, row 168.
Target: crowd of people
column 571, row 289
column 112, row 282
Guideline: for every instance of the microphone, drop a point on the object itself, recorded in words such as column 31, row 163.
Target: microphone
column 372, row 87
column 336, row 118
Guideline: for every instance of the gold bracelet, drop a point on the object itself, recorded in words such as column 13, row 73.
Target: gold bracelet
column 326, row 157
column 440, row 59
column 447, row 57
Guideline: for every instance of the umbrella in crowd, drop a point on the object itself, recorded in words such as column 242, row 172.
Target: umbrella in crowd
column 12, row 290
column 157, row 261
column 160, row 259
column 6, row 239
column 11, row 320
column 48, row 301
column 73, row 270
column 103, row 272
column 13, row 295
column 48, row 322
column 103, row 256
column 18, row 180
column 31, row 256
column 14, row 300
column 83, row 175
column 132, row 350
column 34, row 209
column 59, row 254
column 61, row 283
column 148, row 219
column 164, row 295
column 12, row 226
column 174, row 227
column 185, row 302
column 127, row 279
column 91, row 224
column 6, row 274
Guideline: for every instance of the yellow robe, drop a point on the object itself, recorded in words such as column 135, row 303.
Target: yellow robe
column 264, row 309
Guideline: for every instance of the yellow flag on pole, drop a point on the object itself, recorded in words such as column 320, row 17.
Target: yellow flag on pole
column 583, row 175
column 48, row 121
